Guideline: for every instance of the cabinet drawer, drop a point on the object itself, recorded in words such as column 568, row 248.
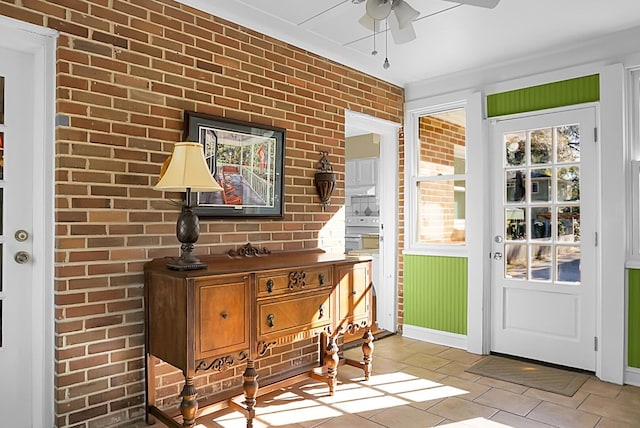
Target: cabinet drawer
column 222, row 316
column 286, row 281
column 279, row 317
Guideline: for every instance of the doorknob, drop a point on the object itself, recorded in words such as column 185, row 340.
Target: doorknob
column 497, row 256
column 22, row 257
column 498, row 239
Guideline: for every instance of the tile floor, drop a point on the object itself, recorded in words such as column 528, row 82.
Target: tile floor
column 418, row 384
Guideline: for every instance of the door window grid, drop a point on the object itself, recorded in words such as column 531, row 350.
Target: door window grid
column 541, row 182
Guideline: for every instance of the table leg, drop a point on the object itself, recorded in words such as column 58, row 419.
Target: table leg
column 332, row 360
column 189, row 404
column 367, row 352
column 250, row 388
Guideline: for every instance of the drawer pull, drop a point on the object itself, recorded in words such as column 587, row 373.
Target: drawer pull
column 354, row 292
column 224, row 315
column 321, row 278
column 270, row 286
column 270, row 320
column 321, row 311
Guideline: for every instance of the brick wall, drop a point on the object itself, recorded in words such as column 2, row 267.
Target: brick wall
column 126, row 72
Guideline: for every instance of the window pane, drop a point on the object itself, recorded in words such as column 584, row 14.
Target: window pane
column 569, row 224
column 568, row 143
column 541, row 223
column 568, row 263
column 515, row 223
column 442, row 144
column 541, row 145
column 541, row 185
column 441, row 212
column 516, row 261
column 569, row 184
column 541, row 262
column 516, row 185
column 515, row 146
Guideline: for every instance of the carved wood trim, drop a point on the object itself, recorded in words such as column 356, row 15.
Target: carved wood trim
column 249, row 250
column 297, row 279
column 222, row 363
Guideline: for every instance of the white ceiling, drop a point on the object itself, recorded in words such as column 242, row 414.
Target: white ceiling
column 451, row 38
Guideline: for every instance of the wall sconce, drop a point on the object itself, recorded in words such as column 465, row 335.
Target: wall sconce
column 187, row 171
column 325, row 180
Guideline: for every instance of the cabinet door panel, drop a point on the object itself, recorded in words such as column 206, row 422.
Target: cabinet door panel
column 222, row 311
column 353, row 291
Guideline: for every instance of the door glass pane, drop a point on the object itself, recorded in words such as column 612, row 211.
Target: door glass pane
column 568, row 263
column 515, row 145
column 516, row 181
column 568, row 184
column 569, row 224
column 541, row 145
column 541, row 223
column 515, row 261
column 515, row 223
column 568, row 143
column 541, row 185
column 541, row 262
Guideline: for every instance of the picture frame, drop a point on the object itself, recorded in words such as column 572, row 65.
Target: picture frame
column 246, row 159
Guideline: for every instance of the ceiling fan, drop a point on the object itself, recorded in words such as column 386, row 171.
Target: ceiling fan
column 400, row 21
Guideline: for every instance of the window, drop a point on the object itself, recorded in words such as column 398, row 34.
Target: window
column 440, row 178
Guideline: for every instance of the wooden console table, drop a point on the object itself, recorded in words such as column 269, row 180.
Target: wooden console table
column 242, row 305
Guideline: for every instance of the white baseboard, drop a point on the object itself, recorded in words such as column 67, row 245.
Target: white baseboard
column 632, row 376
column 435, row 336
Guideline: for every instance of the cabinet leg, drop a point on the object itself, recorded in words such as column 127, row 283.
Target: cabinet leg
column 189, row 404
column 367, row 352
column 332, row 360
column 250, row 388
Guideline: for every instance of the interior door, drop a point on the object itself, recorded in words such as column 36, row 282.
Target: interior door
column 16, row 223
column 544, row 238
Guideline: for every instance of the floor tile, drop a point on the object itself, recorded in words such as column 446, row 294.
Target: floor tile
column 511, row 420
column 457, row 409
column 563, row 417
column 611, row 408
column 508, row 401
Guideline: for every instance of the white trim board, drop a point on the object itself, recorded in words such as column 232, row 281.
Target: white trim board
column 435, row 336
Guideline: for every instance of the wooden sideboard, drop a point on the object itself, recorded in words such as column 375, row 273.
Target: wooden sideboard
column 242, row 305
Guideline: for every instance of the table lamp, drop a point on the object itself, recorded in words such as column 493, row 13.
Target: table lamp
column 187, row 171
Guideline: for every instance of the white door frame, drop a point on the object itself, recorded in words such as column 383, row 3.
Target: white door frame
column 388, row 187
column 40, row 43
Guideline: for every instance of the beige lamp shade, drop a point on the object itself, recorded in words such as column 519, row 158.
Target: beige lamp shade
column 187, row 170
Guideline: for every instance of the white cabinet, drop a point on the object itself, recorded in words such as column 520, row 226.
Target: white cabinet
column 361, row 176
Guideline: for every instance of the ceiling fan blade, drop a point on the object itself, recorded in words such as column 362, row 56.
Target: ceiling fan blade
column 404, row 13
column 489, row 4
column 400, row 35
column 369, row 23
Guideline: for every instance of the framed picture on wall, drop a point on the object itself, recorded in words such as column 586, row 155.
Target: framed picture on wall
column 246, row 159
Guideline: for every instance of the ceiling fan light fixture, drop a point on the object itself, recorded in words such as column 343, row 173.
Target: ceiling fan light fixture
column 404, row 13
column 378, row 9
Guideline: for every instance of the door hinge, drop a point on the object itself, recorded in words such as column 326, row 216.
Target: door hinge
column 595, row 343
column 596, row 238
column 595, row 135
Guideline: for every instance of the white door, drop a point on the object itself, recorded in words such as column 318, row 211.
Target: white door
column 16, row 228
column 544, row 238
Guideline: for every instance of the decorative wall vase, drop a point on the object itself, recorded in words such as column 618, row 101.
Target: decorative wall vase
column 325, row 180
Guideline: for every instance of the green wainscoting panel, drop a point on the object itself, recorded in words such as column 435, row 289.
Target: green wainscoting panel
column 556, row 94
column 633, row 341
column 435, row 293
